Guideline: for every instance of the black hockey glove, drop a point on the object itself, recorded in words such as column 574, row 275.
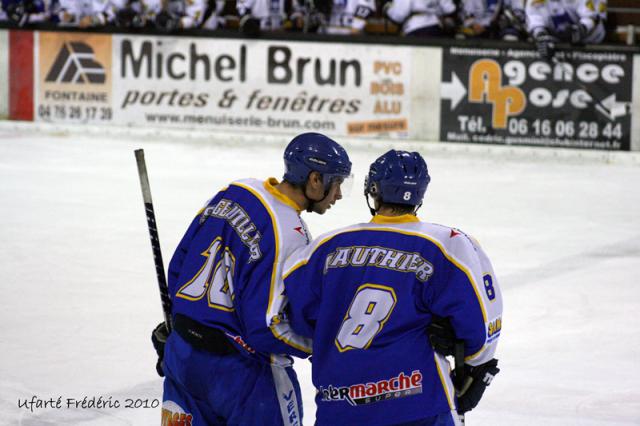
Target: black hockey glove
column 441, row 336
column 476, row 381
column 545, row 44
column 159, row 338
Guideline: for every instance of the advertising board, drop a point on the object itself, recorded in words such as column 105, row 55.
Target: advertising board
column 581, row 99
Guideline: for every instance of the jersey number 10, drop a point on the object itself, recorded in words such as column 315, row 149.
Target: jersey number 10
column 216, row 275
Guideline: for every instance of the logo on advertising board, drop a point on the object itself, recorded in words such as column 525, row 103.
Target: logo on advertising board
column 76, row 64
column 262, row 85
column 580, row 99
column 485, row 86
column 74, row 77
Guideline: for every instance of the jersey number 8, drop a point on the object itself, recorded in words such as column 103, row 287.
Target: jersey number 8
column 216, row 275
column 370, row 309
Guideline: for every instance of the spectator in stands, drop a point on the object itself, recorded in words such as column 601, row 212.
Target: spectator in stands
column 422, row 18
column 267, row 15
column 85, row 13
column 23, row 12
column 176, row 14
column 128, row 13
column 572, row 21
column 213, row 18
column 340, row 16
column 501, row 19
column 3, row 15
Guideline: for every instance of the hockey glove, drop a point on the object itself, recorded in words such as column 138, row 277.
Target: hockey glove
column 476, row 381
column 545, row 44
column 159, row 338
column 441, row 336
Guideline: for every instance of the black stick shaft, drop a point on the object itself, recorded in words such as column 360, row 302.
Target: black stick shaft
column 459, row 370
column 153, row 235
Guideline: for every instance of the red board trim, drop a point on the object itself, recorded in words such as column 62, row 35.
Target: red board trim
column 21, row 75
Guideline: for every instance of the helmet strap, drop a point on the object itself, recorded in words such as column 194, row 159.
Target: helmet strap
column 371, row 209
column 310, row 201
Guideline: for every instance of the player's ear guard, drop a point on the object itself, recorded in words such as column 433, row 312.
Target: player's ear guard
column 476, row 381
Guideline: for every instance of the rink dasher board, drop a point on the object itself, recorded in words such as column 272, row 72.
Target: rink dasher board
column 4, row 74
column 347, row 90
column 228, row 84
column 252, row 139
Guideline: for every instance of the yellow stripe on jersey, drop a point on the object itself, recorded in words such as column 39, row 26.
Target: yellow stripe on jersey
column 270, row 184
column 275, row 264
column 405, row 218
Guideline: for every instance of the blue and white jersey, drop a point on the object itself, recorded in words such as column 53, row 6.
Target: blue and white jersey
column 349, row 16
column 225, row 272
column 71, row 12
column 416, row 14
column 191, row 12
column 366, row 293
column 485, row 12
column 42, row 10
column 555, row 16
column 271, row 13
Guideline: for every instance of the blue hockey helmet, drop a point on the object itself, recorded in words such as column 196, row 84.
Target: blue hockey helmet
column 398, row 177
column 309, row 152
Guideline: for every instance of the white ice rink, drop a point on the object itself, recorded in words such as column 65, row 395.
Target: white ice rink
column 78, row 296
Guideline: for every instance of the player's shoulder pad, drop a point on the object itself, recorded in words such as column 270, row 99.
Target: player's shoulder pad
column 453, row 239
column 253, row 182
column 303, row 255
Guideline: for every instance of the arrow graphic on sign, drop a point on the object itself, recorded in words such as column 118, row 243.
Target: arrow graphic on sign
column 454, row 90
column 611, row 108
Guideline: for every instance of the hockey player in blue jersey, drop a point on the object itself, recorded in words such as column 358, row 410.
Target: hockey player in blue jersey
column 573, row 21
column 23, row 12
column 226, row 363
column 366, row 294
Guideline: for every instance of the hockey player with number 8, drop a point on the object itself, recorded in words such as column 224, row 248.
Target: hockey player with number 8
column 366, row 294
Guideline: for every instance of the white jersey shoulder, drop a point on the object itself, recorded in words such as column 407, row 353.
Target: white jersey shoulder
column 416, row 14
column 290, row 233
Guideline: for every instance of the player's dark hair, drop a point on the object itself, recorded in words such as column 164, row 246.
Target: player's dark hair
column 398, row 209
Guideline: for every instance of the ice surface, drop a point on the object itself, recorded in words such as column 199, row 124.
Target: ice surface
column 79, row 298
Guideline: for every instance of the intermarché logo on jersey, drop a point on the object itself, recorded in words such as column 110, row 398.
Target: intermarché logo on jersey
column 76, row 63
column 398, row 386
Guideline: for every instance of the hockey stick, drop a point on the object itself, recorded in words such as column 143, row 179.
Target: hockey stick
column 153, row 235
column 460, row 378
column 564, row 64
